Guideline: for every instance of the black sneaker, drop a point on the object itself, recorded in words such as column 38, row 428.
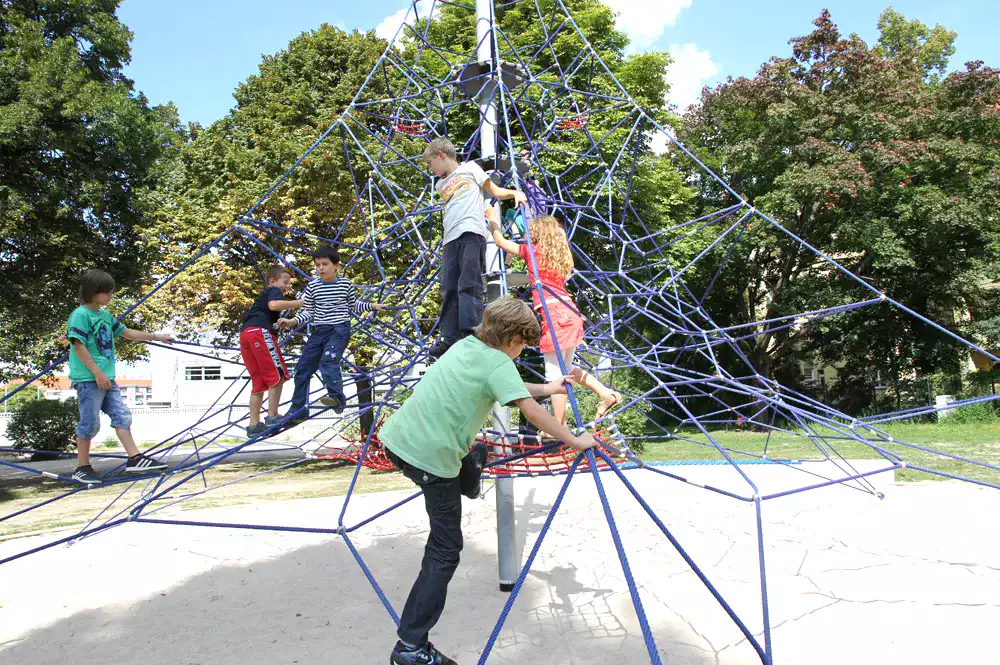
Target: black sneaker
column 334, row 402
column 425, row 655
column 470, row 476
column 438, row 350
column 300, row 416
column 271, row 421
column 86, row 475
column 254, row 430
column 143, row 463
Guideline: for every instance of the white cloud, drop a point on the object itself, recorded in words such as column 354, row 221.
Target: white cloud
column 390, row 24
column 645, row 20
column 690, row 71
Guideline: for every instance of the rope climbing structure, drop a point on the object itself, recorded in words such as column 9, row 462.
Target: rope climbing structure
column 555, row 123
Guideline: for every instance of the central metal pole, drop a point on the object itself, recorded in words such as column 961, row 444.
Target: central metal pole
column 508, row 561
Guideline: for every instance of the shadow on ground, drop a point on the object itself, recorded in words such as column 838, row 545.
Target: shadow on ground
column 311, row 603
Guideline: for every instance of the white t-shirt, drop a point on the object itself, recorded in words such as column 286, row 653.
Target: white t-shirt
column 464, row 201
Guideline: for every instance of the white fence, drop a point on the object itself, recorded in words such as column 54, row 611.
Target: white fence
column 155, row 425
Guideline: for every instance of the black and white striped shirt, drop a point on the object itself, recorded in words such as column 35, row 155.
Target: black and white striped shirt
column 330, row 303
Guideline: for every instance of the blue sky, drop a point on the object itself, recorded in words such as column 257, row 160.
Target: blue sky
column 195, row 53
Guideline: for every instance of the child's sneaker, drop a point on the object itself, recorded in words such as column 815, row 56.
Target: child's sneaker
column 271, row 421
column 470, row 476
column 86, row 475
column 299, row 417
column 143, row 463
column 254, row 430
column 425, row 655
column 331, row 401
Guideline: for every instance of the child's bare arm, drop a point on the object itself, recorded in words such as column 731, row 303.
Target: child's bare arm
column 103, row 382
column 140, row 336
column 282, row 305
column 545, row 421
column 503, row 243
column 503, row 193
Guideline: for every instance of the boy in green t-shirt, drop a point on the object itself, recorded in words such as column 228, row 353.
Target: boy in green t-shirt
column 92, row 333
column 429, row 440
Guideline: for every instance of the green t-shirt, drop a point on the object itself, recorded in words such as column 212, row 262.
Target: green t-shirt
column 435, row 427
column 97, row 330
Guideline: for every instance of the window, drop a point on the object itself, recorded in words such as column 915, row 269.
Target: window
column 123, row 390
column 211, row 373
column 139, row 398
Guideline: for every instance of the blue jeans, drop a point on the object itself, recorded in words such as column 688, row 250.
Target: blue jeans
column 443, row 502
column 92, row 401
column 323, row 351
column 463, row 261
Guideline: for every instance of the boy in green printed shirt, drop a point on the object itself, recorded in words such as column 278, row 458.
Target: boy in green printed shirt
column 429, row 440
column 92, row 333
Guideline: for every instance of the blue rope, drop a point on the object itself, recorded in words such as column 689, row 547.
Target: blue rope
column 527, row 564
column 640, row 612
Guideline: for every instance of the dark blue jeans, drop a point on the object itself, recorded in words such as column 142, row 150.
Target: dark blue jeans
column 323, row 351
column 463, row 261
column 443, row 501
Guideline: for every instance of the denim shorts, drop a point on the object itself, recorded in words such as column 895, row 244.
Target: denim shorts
column 92, row 401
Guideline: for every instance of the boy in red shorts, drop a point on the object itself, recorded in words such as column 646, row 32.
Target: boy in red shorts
column 259, row 347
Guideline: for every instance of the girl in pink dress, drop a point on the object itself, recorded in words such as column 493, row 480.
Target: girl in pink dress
column 555, row 264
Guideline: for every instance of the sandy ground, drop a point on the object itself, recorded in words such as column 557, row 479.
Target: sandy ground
column 912, row 579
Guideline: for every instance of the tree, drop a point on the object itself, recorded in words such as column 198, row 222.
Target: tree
column 298, row 93
column 79, row 153
column 44, row 424
column 863, row 154
column 928, row 49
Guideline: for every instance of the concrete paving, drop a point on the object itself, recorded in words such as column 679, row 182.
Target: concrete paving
column 258, row 452
column 912, row 579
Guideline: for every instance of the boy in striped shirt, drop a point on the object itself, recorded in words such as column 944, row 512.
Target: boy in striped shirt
column 327, row 303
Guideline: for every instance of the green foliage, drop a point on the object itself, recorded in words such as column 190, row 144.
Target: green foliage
column 44, row 425
column 79, row 166
column 17, row 400
column 971, row 414
column 302, row 90
column 928, row 49
column 860, row 152
column 296, row 94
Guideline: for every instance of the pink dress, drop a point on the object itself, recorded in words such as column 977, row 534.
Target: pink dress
column 567, row 323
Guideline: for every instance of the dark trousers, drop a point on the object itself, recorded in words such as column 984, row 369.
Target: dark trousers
column 463, row 261
column 443, row 501
column 323, row 351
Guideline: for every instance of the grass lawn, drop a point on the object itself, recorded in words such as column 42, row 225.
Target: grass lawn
column 322, row 478
column 974, row 441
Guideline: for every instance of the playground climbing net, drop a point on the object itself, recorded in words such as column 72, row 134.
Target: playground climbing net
column 565, row 132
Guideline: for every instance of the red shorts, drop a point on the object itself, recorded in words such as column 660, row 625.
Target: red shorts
column 568, row 326
column 263, row 358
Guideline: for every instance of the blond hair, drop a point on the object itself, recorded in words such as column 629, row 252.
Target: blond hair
column 439, row 145
column 549, row 238
column 505, row 319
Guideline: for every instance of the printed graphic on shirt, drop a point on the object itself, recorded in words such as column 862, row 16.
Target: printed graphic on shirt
column 458, row 185
column 103, row 339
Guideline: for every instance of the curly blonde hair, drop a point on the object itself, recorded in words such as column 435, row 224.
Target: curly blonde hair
column 549, row 237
